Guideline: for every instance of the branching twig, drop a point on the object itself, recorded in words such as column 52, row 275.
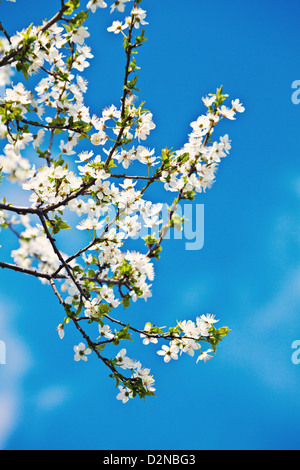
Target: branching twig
column 31, row 272
column 5, row 33
column 9, row 58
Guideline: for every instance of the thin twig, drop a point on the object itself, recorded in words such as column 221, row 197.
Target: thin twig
column 5, row 33
column 60, row 257
column 31, row 272
column 9, row 58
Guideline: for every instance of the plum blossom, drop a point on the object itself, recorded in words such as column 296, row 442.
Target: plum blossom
column 98, row 205
column 81, row 352
column 93, row 5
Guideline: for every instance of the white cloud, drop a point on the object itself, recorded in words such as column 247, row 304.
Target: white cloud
column 8, row 415
column 265, row 338
column 51, row 397
column 18, row 362
column 283, row 307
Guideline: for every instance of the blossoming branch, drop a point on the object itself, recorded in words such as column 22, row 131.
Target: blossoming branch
column 104, row 188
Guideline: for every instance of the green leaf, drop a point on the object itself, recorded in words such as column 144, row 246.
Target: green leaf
column 222, row 332
column 57, row 224
column 103, row 309
column 72, row 4
column 124, row 334
column 126, row 301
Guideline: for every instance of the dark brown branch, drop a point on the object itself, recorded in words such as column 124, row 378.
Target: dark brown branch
column 31, row 272
column 179, row 197
column 116, row 282
column 61, row 300
column 9, row 58
column 93, row 346
column 19, row 210
column 60, row 257
column 128, row 59
column 5, row 33
column 53, row 126
column 116, row 145
column 123, row 176
column 125, row 91
column 166, row 336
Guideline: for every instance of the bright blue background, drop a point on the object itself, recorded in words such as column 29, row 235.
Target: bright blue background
column 248, row 273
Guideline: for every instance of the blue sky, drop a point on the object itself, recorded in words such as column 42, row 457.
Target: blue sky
column 247, row 274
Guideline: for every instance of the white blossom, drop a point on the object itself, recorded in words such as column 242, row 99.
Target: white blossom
column 91, row 203
column 81, row 352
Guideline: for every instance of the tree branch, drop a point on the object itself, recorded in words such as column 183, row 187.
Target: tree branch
column 31, row 272
column 7, row 59
column 5, row 33
column 60, row 257
column 19, row 210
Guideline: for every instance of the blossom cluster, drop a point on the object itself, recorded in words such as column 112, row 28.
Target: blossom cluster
column 88, row 173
